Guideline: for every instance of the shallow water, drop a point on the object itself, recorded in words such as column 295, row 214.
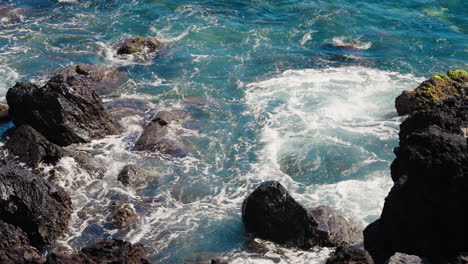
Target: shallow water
column 296, row 91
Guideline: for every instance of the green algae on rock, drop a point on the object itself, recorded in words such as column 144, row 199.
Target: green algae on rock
column 432, row 91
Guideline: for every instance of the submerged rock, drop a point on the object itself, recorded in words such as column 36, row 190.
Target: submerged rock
column 140, row 45
column 65, row 110
column 271, row 213
column 105, row 251
column 400, row 258
column 424, row 214
column 158, row 137
column 4, row 117
column 122, row 215
column 350, row 255
column 340, row 231
column 433, row 91
column 41, row 209
column 132, row 175
column 31, row 147
column 104, row 80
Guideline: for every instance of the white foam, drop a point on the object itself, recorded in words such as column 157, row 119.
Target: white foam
column 8, row 78
column 300, row 111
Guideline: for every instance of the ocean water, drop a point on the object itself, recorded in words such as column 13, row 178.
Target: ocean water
column 296, row 91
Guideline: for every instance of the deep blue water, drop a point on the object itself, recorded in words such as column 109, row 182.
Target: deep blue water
column 273, row 94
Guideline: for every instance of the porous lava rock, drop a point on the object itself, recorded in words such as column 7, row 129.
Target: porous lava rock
column 4, row 117
column 350, row 255
column 401, row 258
column 132, row 174
column 12, row 236
column 20, row 255
column 423, row 214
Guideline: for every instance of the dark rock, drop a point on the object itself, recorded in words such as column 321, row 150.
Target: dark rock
column 20, row 255
column 350, row 255
column 4, row 117
column 65, row 110
column 31, row 147
column 156, row 136
column 12, row 236
column 104, row 80
column 140, row 45
column 41, row 209
column 433, row 91
column 122, row 215
column 132, row 175
column 462, row 258
column 340, row 231
column 400, row 258
column 10, row 15
column 424, row 214
column 270, row 213
column 111, row 251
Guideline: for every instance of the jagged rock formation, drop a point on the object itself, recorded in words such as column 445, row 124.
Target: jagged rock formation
column 424, row 214
column 65, row 111
column 39, row 208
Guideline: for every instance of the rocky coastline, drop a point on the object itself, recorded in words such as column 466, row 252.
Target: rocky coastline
column 422, row 220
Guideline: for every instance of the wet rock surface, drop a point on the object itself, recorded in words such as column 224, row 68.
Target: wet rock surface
column 400, row 258
column 270, row 213
column 31, row 147
column 350, row 255
column 39, row 208
column 340, row 231
column 433, row 91
column 65, row 110
column 423, row 213
column 132, row 175
column 122, row 215
column 106, row 251
column 157, row 136
column 104, row 80
column 140, row 45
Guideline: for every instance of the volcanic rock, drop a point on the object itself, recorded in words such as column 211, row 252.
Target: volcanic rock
column 104, row 252
column 270, row 213
column 12, row 236
column 158, row 137
column 140, row 45
column 350, row 255
column 341, row 232
column 424, row 214
column 122, row 216
column 41, row 209
column 31, row 147
column 132, row 175
column 400, row 258
column 433, row 91
column 20, row 255
column 104, row 80
column 65, row 110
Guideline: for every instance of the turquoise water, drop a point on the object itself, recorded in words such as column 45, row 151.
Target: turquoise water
column 274, row 95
